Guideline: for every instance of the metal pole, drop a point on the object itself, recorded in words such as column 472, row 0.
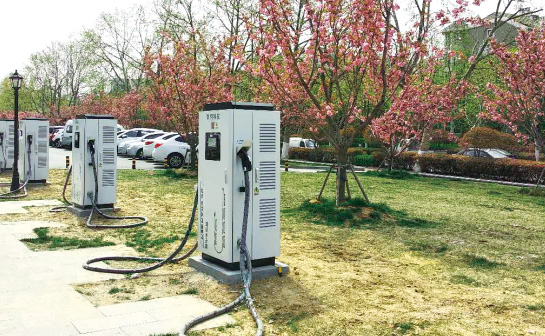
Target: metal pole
column 15, row 179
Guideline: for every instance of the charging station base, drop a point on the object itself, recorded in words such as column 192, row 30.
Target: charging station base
column 85, row 212
column 233, row 277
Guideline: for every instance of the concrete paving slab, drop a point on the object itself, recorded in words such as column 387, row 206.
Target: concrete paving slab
column 109, row 332
column 17, row 207
column 112, row 322
column 36, row 297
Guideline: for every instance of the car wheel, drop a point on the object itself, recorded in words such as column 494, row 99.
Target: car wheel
column 175, row 160
column 140, row 154
column 57, row 144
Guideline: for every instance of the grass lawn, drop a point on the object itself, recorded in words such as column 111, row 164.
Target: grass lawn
column 429, row 257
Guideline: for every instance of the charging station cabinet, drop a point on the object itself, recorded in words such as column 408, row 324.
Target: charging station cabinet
column 223, row 128
column 34, row 132
column 101, row 131
column 7, row 143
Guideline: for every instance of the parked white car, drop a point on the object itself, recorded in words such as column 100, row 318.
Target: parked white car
column 136, row 148
column 133, row 134
column 122, row 148
column 57, row 138
column 175, row 150
column 302, row 143
column 150, row 144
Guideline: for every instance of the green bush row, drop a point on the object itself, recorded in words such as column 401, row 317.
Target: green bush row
column 327, row 154
column 497, row 169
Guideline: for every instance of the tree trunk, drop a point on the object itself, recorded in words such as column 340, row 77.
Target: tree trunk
column 285, row 145
column 342, row 158
column 391, row 163
column 425, row 143
column 192, row 140
column 424, row 146
column 537, row 152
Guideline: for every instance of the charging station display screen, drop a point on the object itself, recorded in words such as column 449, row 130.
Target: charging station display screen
column 212, row 142
column 212, row 148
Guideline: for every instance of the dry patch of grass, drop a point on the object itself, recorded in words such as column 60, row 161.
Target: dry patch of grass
column 427, row 257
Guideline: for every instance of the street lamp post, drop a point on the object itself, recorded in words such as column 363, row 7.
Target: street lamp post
column 16, row 82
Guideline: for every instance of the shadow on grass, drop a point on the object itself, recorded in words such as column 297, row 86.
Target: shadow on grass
column 480, row 262
column 540, row 192
column 357, row 213
column 462, row 279
column 427, row 246
column 52, row 242
column 176, row 173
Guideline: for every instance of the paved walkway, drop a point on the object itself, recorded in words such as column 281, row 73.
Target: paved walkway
column 36, row 297
column 18, row 207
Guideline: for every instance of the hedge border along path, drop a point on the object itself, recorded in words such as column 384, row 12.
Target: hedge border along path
column 462, row 178
column 511, row 170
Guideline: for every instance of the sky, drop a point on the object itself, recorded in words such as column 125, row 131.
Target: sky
column 29, row 26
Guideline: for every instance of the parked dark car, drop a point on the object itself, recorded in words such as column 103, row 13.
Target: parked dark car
column 489, row 153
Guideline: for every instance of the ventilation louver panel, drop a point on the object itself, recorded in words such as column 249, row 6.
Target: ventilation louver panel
column 42, row 132
column 267, row 212
column 11, row 154
column 108, row 134
column 108, row 156
column 42, row 161
column 42, row 147
column 267, row 138
column 108, row 177
column 11, row 137
column 267, row 175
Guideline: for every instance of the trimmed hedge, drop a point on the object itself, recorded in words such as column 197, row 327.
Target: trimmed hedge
column 366, row 160
column 326, row 154
column 404, row 161
column 496, row 169
column 524, row 171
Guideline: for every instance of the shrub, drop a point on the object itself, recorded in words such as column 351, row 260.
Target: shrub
column 498, row 169
column 364, row 160
column 443, row 146
column 484, row 137
column 440, row 136
column 370, row 138
column 320, row 154
column 404, row 161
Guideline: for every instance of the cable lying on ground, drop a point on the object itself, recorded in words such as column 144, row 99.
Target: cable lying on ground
column 63, row 207
column 94, row 200
column 13, row 194
column 160, row 261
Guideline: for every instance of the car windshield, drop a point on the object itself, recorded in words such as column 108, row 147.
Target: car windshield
column 168, row 136
column 153, row 136
column 504, row 152
column 497, row 154
column 310, row 144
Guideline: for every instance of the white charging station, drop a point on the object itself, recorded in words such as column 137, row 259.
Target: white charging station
column 223, row 129
column 96, row 133
column 6, row 144
column 34, row 132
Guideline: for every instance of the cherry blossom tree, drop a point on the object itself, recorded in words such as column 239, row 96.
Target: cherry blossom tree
column 420, row 106
column 181, row 83
column 346, row 58
column 519, row 103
